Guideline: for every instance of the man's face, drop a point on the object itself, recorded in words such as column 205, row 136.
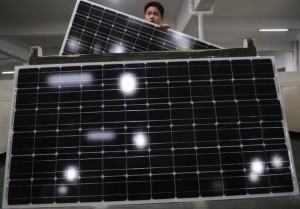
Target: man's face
column 153, row 15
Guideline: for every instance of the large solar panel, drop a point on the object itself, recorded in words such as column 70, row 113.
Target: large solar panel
column 95, row 29
column 146, row 132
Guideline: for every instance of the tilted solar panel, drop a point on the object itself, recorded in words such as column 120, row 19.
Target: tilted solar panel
column 95, row 29
column 146, row 132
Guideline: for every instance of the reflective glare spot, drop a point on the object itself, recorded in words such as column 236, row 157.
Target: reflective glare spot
column 183, row 44
column 62, row 190
column 254, row 177
column 71, row 79
column 118, row 48
column 72, row 45
column 71, row 173
column 140, row 140
column 128, row 84
column 276, row 161
column 97, row 47
column 257, row 166
column 100, row 135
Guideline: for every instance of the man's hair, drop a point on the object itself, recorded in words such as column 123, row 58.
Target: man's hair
column 157, row 5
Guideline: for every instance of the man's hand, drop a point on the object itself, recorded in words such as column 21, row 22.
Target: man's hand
column 164, row 26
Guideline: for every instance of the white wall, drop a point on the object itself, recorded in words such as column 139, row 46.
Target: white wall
column 5, row 107
column 290, row 89
column 283, row 59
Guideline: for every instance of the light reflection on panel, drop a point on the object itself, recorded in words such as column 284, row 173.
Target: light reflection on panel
column 140, row 140
column 62, row 190
column 148, row 131
column 71, row 173
column 118, row 48
column 71, row 79
column 128, row 84
column 277, row 161
column 100, row 135
column 257, row 168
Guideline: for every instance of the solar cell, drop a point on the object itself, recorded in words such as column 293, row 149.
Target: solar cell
column 147, row 132
column 95, row 29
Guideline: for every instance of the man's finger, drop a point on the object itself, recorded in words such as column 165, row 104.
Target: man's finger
column 164, row 26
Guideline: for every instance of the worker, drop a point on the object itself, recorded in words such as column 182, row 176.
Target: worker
column 154, row 12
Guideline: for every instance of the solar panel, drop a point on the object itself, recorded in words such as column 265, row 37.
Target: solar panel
column 95, row 29
column 132, row 132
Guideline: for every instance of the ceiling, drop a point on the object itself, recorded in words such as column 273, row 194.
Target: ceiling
column 44, row 23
